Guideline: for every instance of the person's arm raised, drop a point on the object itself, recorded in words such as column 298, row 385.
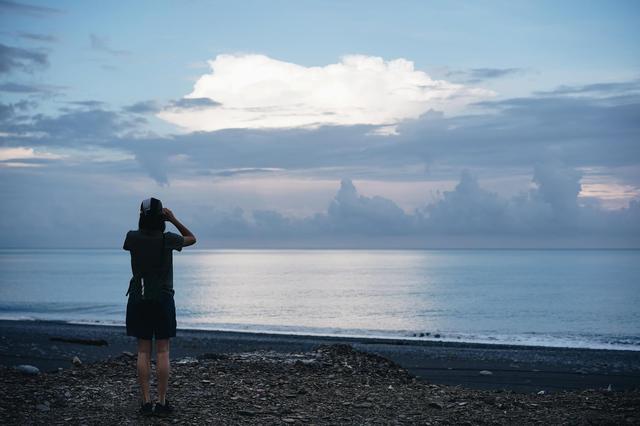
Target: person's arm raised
column 189, row 238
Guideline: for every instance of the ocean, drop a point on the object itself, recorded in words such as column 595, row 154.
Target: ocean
column 563, row 298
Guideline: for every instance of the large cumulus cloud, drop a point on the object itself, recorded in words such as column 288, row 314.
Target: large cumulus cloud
column 256, row 91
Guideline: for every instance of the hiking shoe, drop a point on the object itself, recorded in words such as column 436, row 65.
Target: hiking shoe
column 146, row 409
column 163, row 410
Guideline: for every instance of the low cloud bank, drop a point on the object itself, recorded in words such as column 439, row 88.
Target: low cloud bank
column 550, row 214
column 547, row 215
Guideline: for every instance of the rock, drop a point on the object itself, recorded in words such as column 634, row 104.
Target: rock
column 76, row 361
column 486, row 373
column 436, row 335
column 542, row 392
column 128, row 354
column 28, row 369
column 247, row 413
column 187, row 360
column 288, row 420
column 436, row 405
column 43, row 407
column 363, row 405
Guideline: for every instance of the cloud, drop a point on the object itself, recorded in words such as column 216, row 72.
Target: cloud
column 255, row 91
column 607, row 89
column 17, row 58
column 81, row 127
column 193, row 103
column 179, row 105
column 29, row 88
column 27, row 9
column 47, row 38
column 8, row 113
column 466, row 216
column 477, row 75
column 143, row 107
column 468, row 209
column 243, row 171
column 503, row 139
column 91, row 103
column 24, row 157
column 102, row 44
column 353, row 213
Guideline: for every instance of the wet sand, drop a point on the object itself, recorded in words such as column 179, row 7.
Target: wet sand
column 45, row 345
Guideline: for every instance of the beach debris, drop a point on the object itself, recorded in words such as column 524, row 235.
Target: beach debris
column 342, row 386
column 187, row 360
column 609, row 389
column 542, row 392
column 76, row 361
column 28, row 369
column 78, row 341
column 485, row 373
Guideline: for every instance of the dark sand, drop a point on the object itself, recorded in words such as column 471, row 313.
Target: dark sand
column 515, row 368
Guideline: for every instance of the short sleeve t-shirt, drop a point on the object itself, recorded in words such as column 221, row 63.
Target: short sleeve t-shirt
column 152, row 252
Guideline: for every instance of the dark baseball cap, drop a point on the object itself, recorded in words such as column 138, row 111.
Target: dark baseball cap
column 151, row 207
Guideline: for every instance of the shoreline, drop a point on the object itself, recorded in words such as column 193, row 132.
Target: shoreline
column 373, row 338
column 512, row 367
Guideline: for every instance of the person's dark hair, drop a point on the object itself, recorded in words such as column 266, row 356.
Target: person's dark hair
column 151, row 218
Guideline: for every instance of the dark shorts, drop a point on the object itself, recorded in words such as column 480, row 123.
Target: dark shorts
column 148, row 319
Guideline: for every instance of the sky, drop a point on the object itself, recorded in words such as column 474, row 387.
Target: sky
column 418, row 124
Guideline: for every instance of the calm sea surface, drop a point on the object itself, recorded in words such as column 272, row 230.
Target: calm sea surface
column 576, row 298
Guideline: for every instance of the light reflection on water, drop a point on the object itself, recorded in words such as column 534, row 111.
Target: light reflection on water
column 569, row 295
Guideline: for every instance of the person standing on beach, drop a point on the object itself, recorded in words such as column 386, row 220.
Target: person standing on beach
column 151, row 311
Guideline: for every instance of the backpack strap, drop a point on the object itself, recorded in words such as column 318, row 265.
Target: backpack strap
column 137, row 278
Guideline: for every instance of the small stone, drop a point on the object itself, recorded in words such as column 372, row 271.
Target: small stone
column 29, row 370
column 128, row 354
column 485, row 373
column 76, row 361
column 247, row 413
column 435, row 405
column 363, row 405
column 43, row 407
column 67, row 394
column 288, row 420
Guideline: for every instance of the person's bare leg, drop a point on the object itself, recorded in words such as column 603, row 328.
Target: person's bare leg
column 162, row 368
column 144, row 368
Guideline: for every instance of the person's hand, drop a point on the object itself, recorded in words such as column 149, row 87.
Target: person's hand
column 168, row 215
